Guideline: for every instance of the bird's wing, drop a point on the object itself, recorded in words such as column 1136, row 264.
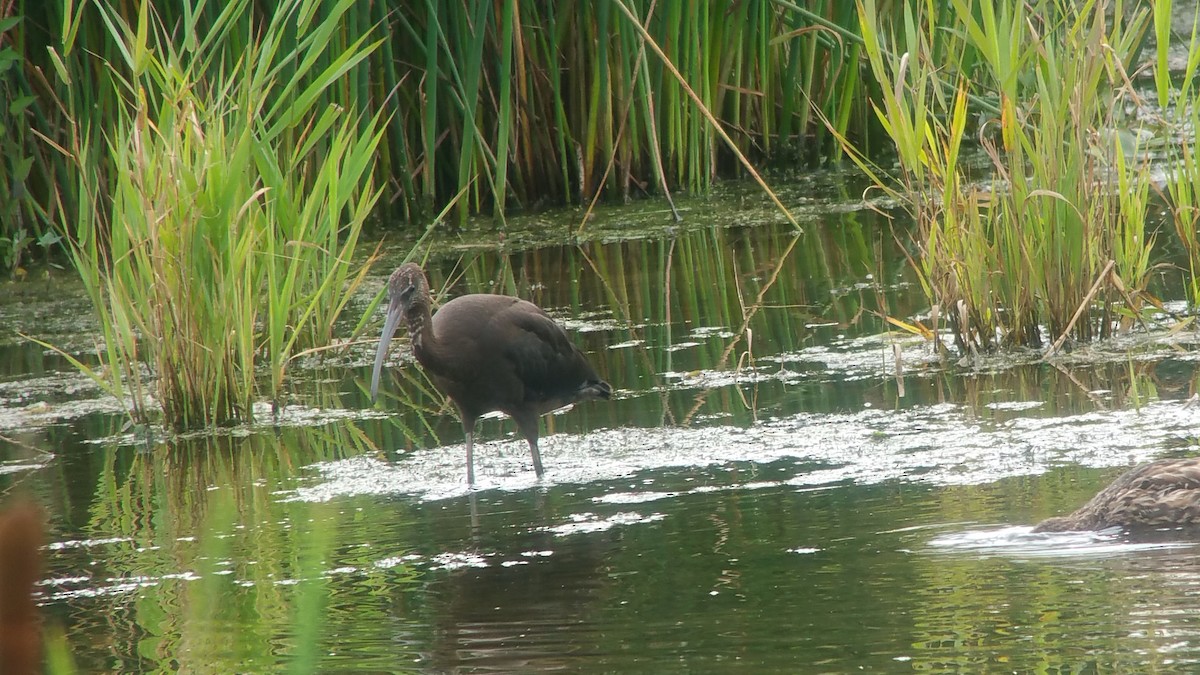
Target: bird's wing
column 1177, row 506
column 1156, row 494
column 542, row 354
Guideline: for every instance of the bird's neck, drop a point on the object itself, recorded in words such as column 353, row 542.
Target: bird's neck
column 420, row 328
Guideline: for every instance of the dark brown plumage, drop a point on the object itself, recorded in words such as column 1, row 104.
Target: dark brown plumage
column 1160, row 494
column 489, row 352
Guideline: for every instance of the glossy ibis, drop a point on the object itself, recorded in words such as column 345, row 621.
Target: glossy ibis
column 489, row 352
column 1160, row 494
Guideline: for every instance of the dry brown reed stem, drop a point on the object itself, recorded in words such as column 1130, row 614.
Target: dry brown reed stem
column 712, row 120
column 748, row 312
column 1087, row 299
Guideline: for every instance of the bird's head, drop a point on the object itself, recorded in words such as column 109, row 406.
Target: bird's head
column 406, row 284
column 408, row 290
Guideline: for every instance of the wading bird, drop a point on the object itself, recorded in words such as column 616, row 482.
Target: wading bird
column 489, row 352
column 1157, row 495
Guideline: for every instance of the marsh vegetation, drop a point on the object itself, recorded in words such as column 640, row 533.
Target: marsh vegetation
column 850, row 267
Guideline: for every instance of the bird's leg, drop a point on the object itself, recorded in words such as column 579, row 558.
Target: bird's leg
column 470, row 458
column 469, row 428
column 528, row 426
column 537, row 456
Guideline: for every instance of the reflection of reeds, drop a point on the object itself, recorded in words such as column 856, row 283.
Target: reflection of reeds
column 202, row 523
column 1003, row 262
column 684, row 304
column 224, row 243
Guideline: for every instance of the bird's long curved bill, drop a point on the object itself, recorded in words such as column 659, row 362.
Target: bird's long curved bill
column 385, row 340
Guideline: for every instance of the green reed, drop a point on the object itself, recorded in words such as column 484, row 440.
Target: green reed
column 26, row 163
column 224, row 243
column 518, row 104
column 1181, row 102
column 1059, row 232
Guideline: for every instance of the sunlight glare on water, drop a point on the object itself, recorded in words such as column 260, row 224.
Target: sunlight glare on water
column 942, row 444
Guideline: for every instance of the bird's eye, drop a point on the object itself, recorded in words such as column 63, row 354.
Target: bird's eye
column 407, row 292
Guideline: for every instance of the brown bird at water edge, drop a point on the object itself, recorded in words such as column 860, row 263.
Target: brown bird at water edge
column 489, row 352
column 1157, row 495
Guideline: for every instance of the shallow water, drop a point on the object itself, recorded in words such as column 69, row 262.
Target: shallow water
column 813, row 494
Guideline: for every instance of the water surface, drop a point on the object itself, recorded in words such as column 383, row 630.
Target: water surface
column 780, row 483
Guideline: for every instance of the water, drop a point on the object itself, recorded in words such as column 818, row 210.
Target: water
column 778, row 485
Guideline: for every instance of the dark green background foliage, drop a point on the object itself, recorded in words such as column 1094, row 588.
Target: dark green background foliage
column 504, row 104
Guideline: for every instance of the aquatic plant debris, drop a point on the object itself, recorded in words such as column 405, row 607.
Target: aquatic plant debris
column 942, row 444
column 582, row 523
